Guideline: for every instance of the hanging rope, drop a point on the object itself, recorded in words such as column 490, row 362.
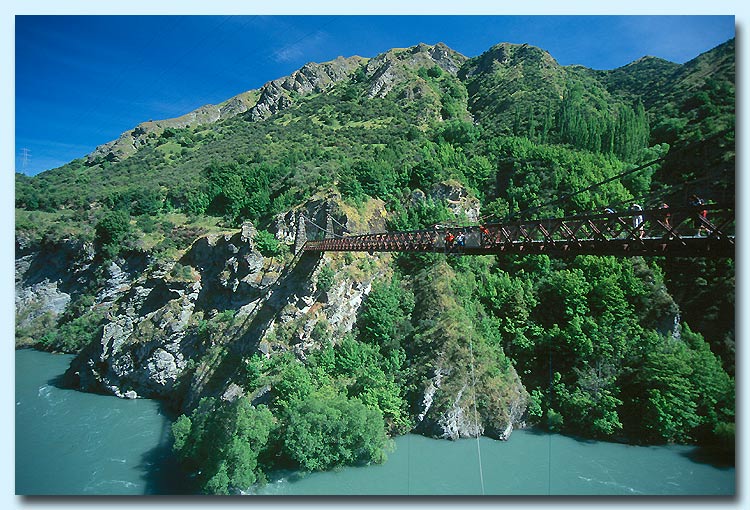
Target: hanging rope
column 339, row 224
column 325, row 230
column 476, row 419
column 549, row 432
column 673, row 152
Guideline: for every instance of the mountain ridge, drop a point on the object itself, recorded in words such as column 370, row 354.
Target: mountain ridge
column 275, row 95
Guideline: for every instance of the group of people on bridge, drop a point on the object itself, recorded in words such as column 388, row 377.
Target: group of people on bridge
column 458, row 239
column 664, row 215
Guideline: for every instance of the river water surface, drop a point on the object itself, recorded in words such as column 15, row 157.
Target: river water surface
column 74, row 443
column 69, row 442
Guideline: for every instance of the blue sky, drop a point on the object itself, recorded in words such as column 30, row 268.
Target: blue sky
column 80, row 81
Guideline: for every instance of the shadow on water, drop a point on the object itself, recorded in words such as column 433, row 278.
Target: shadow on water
column 163, row 473
column 542, row 432
column 720, row 458
column 715, row 457
column 536, row 431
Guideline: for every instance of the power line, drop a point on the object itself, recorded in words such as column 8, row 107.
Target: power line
column 568, row 196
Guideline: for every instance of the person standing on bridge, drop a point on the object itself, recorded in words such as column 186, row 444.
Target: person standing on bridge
column 699, row 205
column 637, row 220
column 663, row 218
column 664, row 215
column 484, row 235
column 449, row 239
column 461, row 240
column 611, row 222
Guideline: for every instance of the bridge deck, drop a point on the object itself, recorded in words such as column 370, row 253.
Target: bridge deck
column 683, row 233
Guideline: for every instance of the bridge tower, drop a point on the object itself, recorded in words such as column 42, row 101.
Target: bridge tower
column 329, row 221
column 300, row 238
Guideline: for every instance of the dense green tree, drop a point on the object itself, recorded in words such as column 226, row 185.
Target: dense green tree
column 291, row 381
column 665, row 395
column 327, row 429
column 111, row 231
column 705, row 291
column 326, row 278
column 74, row 334
column 267, row 244
column 714, row 389
column 222, row 442
column 384, row 319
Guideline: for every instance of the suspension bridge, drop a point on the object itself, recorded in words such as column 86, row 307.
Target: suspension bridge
column 707, row 231
column 697, row 230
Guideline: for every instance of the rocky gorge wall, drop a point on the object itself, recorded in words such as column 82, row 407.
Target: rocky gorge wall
column 183, row 329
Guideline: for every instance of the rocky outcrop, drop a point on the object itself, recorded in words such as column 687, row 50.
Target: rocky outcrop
column 395, row 67
column 277, row 94
column 383, row 74
column 458, row 199
column 180, row 330
column 449, row 408
column 47, row 274
column 142, row 355
column 468, row 387
column 150, row 336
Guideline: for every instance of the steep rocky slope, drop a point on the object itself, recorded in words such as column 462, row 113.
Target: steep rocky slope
column 182, row 330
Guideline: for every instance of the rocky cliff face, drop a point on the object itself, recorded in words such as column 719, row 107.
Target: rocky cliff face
column 450, row 411
column 183, row 329
column 278, row 94
column 47, row 274
column 180, row 330
column 154, row 322
column 395, row 67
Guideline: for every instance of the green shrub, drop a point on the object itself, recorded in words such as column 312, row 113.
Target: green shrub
column 267, row 244
column 327, row 430
column 110, row 232
column 325, row 279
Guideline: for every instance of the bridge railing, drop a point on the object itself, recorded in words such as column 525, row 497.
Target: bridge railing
column 680, row 231
column 673, row 223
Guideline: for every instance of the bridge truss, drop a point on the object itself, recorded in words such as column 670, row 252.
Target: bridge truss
column 689, row 232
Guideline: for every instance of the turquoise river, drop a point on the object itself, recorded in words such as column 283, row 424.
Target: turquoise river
column 73, row 443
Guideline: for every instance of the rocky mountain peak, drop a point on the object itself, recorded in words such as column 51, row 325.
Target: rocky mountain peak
column 397, row 66
column 310, row 78
column 384, row 71
column 508, row 55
